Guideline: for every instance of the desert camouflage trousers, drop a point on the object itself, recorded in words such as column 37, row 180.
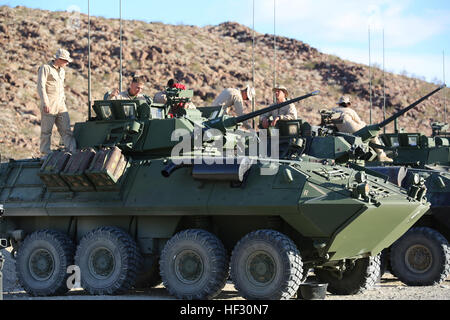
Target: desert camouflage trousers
column 62, row 122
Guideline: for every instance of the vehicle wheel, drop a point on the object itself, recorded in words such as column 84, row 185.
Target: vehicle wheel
column 42, row 262
column 421, row 257
column 357, row 278
column 194, row 265
column 266, row 264
column 109, row 261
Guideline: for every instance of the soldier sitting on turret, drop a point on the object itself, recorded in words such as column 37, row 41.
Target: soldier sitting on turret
column 132, row 93
column 350, row 122
column 286, row 113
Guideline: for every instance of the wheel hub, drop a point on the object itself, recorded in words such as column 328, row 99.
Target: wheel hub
column 188, row 267
column 101, row 263
column 260, row 268
column 418, row 259
column 41, row 265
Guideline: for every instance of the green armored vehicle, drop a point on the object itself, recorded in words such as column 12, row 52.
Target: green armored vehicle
column 127, row 210
column 422, row 256
column 418, row 150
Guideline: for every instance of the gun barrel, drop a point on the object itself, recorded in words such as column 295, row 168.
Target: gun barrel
column 256, row 113
column 403, row 111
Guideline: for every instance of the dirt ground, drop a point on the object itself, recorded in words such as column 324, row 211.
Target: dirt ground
column 389, row 288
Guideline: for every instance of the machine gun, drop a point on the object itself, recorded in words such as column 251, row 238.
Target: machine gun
column 439, row 129
column 177, row 99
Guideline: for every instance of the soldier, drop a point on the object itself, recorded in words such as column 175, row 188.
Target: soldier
column 132, row 93
column 50, row 87
column 232, row 97
column 288, row 112
column 350, row 122
column 161, row 96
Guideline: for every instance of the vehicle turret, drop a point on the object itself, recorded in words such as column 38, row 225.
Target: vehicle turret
column 372, row 130
column 140, row 129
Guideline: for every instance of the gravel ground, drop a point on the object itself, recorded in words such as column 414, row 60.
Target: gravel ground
column 389, row 288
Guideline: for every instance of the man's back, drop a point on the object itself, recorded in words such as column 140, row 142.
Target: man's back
column 228, row 97
column 350, row 121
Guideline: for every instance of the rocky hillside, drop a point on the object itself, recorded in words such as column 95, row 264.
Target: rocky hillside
column 206, row 59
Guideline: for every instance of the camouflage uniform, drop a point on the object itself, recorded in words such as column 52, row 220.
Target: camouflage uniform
column 50, row 87
column 350, row 122
column 125, row 95
column 288, row 112
column 232, row 98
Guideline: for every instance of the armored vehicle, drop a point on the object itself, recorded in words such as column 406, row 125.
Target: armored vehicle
column 422, row 256
column 126, row 209
column 418, row 150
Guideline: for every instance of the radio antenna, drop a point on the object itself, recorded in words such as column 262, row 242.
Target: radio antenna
column 443, row 91
column 274, row 51
column 89, row 62
column 384, row 89
column 120, row 75
column 253, row 64
column 370, row 82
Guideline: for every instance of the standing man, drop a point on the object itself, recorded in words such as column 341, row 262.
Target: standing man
column 50, row 88
column 288, row 112
column 235, row 98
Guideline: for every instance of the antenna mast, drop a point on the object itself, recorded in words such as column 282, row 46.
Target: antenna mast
column 120, row 75
column 253, row 64
column 370, row 82
column 443, row 91
column 274, row 51
column 89, row 62
column 384, row 90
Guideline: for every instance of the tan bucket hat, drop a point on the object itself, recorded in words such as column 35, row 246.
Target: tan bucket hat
column 282, row 88
column 62, row 54
column 344, row 99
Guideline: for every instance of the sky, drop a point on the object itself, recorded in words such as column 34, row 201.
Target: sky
column 416, row 32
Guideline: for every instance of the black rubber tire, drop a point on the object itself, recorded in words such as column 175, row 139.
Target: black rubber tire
column 206, row 265
column 361, row 277
column 49, row 246
column 426, row 243
column 119, row 249
column 268, row 250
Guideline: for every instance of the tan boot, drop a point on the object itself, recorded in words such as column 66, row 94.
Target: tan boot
column 384, row 158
